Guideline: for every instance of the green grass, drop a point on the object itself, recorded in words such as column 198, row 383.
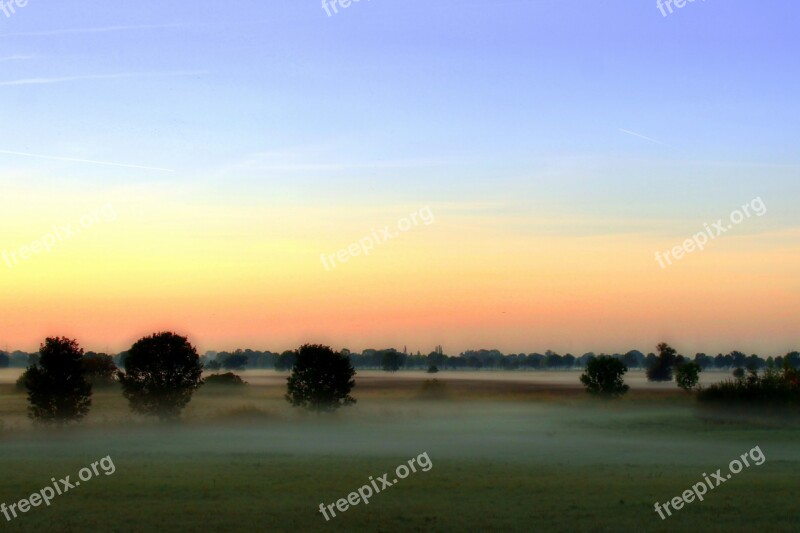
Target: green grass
column 244, row 461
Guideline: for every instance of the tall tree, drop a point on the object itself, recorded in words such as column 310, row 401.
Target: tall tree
column 162, row 372
column 58, row 391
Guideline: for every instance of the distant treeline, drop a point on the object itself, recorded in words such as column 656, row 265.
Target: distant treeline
column 392, row 359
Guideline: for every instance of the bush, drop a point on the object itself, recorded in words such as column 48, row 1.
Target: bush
column 229, row 379
column 772, row 389
column 321, row 379
column 688, row 375
column 603, row 377
column 433, row 369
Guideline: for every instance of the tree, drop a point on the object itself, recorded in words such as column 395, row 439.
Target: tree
column 285, row 361
column 661, row 368
column 212, row 365
column 236, row 361
column 5, row 360
column 391, row 361
column 603, row 376
column 58, row 391
column 321, row 379
column 687, row 375
column 162, row 372
column 99, row 369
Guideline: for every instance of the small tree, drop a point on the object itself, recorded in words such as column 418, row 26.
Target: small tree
column 321, row 379
column 162, row 372
column 58, row 391
column 99, row 369
column 603, row 376
column 688, row 375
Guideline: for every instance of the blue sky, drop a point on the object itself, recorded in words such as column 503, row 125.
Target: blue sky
column 602, row 118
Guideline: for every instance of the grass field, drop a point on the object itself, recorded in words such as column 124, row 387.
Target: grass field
column 508, row 454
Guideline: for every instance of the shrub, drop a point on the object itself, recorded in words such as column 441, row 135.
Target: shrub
column 433, row 369
column 229, row 379
column 770, row 389
column 603, row 377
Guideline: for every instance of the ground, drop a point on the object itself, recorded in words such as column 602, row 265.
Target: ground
column 510, row 452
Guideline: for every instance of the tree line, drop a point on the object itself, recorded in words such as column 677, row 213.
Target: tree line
column 160, row 374
column 391, row 359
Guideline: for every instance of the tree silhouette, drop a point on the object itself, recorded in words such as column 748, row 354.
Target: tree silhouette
column 99, row 369
column 391, row 361
column 236, row 361
column 58, row 391
column 162, row 372
column 661, row 368
column 321, row 379
column 285, row 361
column 603, row 376
column 687, row 375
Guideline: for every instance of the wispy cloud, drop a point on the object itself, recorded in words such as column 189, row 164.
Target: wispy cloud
column 45, row 81
column 102, row 29
column 89, row 161
column 16, row 58
column 643, row 137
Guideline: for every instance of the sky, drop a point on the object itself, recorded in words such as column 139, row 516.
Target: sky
column 197, row 167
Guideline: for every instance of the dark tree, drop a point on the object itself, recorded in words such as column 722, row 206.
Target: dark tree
column 229, row 379
column 5, row 360
column 235, row 361
column 58, row 391
column 661, row 369
column 391, row 361
column 321, row 379
column 99, row 369
column 212, row 365
column 162, row 372
column 687, row 375
column 285, row 361
column 603, row 376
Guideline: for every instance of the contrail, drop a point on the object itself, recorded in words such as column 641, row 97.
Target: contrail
column 643, row 137
column 42, row 81
column 74, row 160
column 16, row 58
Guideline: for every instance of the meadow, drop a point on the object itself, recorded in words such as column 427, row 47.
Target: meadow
column 510, row 452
